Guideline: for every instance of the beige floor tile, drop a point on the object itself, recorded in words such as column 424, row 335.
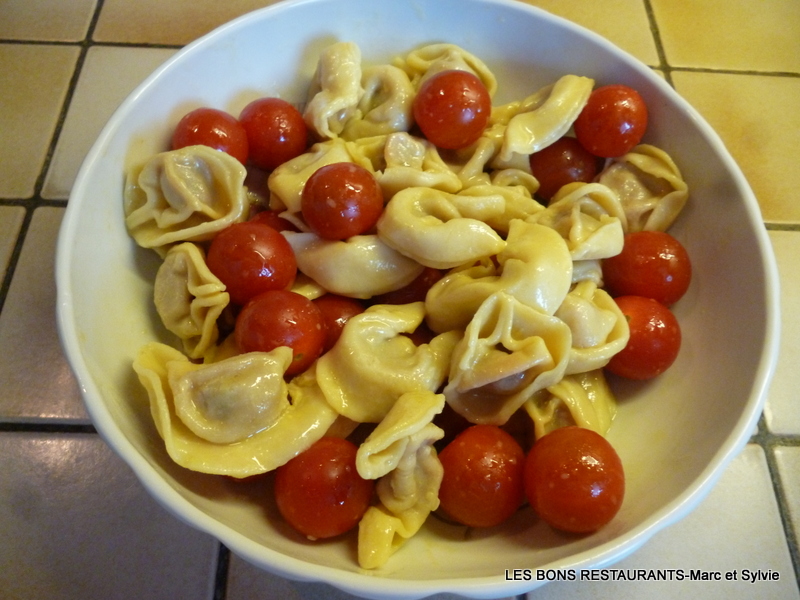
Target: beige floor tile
column 623, row 22
column 177, row 22
column 77, row 525
column 37, row 381
column 781, row 411
column 758, row 118
column 107, row 77
column 45, row 20
column 761, row 35
column 33, row 84
column 11, row 218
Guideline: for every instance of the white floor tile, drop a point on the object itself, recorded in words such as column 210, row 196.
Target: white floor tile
column 781, row 412
column 37, row 381
column 76, row 524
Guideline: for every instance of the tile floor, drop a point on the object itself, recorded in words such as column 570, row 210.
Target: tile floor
column 74, row 522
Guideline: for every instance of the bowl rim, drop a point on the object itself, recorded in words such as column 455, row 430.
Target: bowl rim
column 360, row 583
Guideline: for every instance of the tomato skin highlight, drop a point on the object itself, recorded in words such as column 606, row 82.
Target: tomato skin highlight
column 483, row 476
column 282, row 318
column 562, row 162
column 613, row 121
column 275, row 131
column 336, row 311
column 574, row 479
column 655, row 339
column 213, row 128
column 320, row 493
column 652, row 264
column 341, row 200
column 251, row 258
column 452, row 108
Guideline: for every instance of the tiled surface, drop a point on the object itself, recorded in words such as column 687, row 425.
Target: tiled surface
column 76, row 524
column 739, row 35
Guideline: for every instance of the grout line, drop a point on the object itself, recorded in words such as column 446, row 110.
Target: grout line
column 5, row 283
column 45, row 427
column 768, row 443
column 663, row 63
column 221, row 574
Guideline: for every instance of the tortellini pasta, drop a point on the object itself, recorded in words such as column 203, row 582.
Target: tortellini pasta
column 335, row 91
column 509, row 351
column 650, row 187
column 231, row 417
column 441, row 230
column 400, row 454
column 435, row 58
column 385, row 106
column 599, row 329
column 540, row 119
column 413, row 162
column 373, row 363
column 360, row 267
column 189, row 298
column 582, row 399
column 590, row 217
column 189, row 194
column 535, row 267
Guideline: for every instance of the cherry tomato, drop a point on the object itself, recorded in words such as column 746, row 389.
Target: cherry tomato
column 213, row 128
column 652, row 264
column 336, row 311
column 320, row 493
column 341, row 200
column 250, row 258
column 452, row 108
column 275, row 130
column 483, row 476
column 613, row 121
column 414, row 291
column 574, row 479
column 273, row 219
column 560, row 163
column 655, row 339
column 282, row 318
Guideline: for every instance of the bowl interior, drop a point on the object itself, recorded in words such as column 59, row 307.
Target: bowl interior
column 674, row 434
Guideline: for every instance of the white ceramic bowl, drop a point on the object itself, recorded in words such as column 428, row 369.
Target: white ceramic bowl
column 675, row 434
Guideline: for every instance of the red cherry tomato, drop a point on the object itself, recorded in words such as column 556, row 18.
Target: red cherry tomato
column 320, row 493
column 250, row 258
column 613, row 121
column 574, row 479
column 452, row 108
column 282, row 318
column 273, row 219
column 275, row 130
column 652, row 264
column 562, row 162
column 341, row 200
column 336, row 311
column 655, row 339
column 483, row 476
column 414, row 291
column 213, row 128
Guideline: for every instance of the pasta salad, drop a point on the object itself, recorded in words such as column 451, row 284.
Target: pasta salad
column 402, row 292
